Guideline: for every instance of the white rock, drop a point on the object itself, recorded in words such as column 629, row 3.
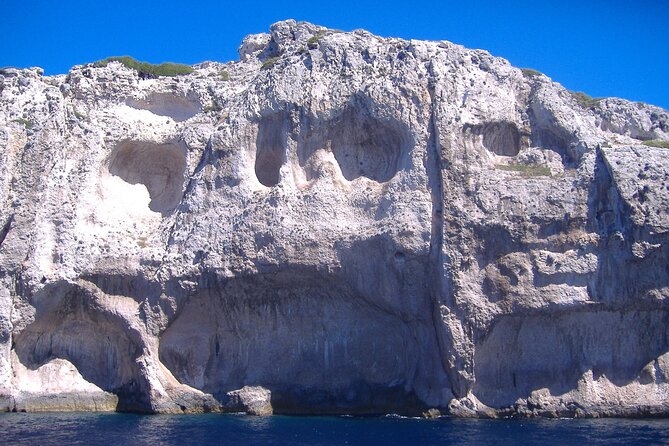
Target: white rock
column 347, row 222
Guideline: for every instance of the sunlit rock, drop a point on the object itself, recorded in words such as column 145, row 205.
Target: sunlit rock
column 336, row 223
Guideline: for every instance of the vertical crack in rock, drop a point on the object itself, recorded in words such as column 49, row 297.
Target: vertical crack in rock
column 207, row 157
column 442, row 302
column 609, row 217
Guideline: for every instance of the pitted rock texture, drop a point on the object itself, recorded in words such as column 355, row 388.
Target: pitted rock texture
column 252, row 400
column 336, row 223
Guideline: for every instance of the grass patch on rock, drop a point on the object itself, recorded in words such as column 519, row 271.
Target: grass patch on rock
column 312, row 43
column 526, row 170
column 269, row 63
column 585, row 100
column 659, row 143
column 146, row 69
column 530, row 72
column 24, row 122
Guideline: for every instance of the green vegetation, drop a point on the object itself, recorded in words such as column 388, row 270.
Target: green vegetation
column 526, row 170
column 24, row 122
column 269, row 63
column 584, row 100
column 312, row 43
column 657, row 143
column 146, row 69
column 529, row 72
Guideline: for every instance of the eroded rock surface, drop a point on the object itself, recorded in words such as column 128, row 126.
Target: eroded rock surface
column 336, row 223
column 254, row 400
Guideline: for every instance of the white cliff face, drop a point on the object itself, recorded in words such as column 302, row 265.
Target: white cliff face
column 354, row 224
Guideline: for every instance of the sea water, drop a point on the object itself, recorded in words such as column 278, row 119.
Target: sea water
column 210, row 429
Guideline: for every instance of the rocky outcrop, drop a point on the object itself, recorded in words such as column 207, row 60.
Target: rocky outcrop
column 336, row 223
column 252, row 400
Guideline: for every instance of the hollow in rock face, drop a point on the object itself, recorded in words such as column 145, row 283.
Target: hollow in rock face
column 366, row 147
column 270, row 148
column 314, row 345
column 176, row 107
column 90, row 338
column 522, row 354
column 159, row 167
column 499, row 137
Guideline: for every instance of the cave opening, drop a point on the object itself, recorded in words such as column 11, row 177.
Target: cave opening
column 499, row 137
column 366, row 147
column 271, row 148
column 161, row 168
column 317, row 347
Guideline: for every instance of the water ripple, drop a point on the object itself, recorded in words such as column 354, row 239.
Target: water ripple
column 159, row 430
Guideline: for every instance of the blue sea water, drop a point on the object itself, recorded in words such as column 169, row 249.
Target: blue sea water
column 210, row 429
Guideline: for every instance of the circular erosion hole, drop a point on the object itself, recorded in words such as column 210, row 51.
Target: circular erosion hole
column 159, row 167
column 366, row 147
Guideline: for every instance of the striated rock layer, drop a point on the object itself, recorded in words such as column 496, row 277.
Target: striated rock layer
column 336, row 223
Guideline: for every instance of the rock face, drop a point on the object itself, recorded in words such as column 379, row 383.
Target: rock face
column 356, row 224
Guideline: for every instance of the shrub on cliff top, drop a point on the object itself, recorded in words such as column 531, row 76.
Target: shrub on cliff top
column 146, row 69
column 585, row 100
column 530, row 72
column 312, row 43
column 657, row 143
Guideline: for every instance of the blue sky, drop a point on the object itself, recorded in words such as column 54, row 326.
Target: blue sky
column 604, row 48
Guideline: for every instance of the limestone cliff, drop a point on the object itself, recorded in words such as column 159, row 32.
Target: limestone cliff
column 355, row 224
